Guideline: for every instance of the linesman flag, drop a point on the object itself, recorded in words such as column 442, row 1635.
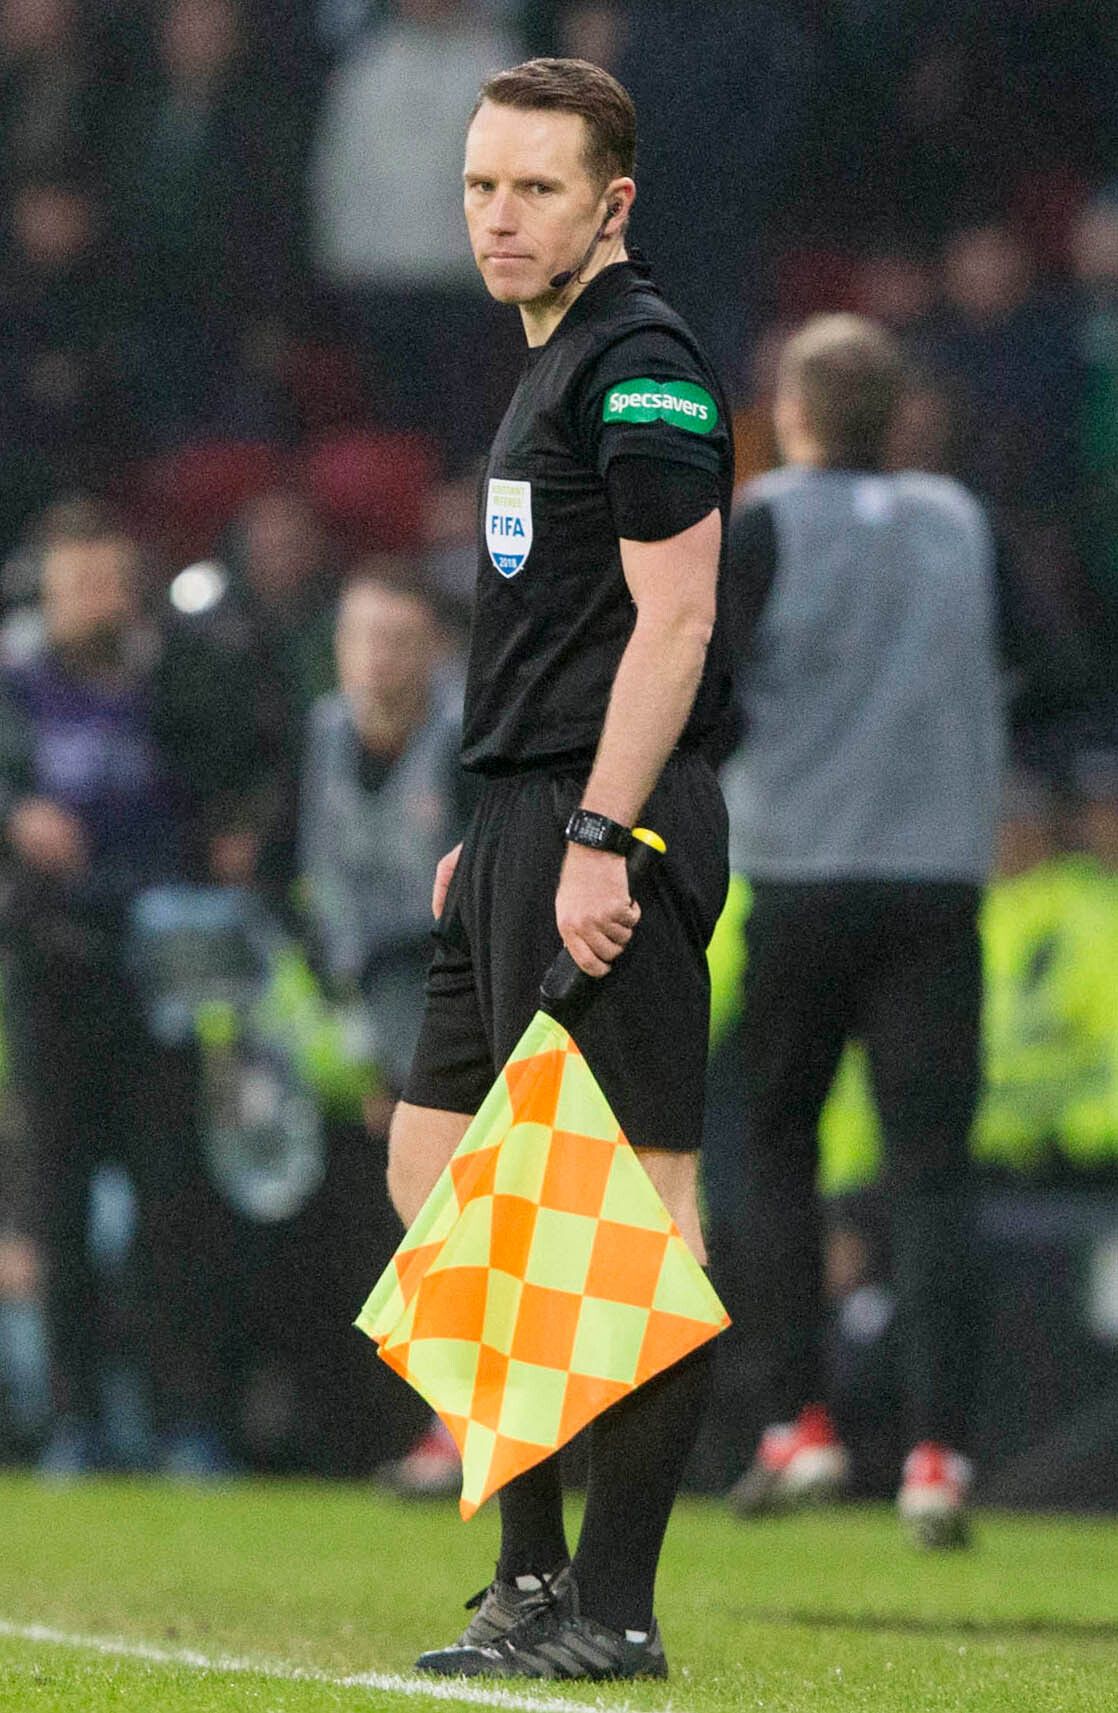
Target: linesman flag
column 543, row 1279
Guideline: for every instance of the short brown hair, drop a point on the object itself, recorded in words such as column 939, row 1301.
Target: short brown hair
column 849, row 374
column 574, row 86
column 77, row 519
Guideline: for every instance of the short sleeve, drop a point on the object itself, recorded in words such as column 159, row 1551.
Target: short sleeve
column 650, row 500
column 646, row 397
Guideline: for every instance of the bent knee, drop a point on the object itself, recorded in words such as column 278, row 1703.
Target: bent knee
column 675, row 1178
column 421, row 1141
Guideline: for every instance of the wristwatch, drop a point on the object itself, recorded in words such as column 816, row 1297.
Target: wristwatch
column 598, row 832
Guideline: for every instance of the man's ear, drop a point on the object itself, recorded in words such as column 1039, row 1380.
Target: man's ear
column 620, row 196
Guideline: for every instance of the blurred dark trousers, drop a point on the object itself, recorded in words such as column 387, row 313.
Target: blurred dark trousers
column 896, row 964
column 99, row 1089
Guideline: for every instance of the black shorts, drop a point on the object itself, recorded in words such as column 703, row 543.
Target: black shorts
column 644, row 1033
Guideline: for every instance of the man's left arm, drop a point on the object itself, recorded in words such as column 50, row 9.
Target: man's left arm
column 673, row 584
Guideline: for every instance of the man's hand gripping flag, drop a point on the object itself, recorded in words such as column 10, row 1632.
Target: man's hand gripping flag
column 543, row 1278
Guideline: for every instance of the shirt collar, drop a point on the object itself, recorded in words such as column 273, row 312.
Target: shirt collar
column 604, row 290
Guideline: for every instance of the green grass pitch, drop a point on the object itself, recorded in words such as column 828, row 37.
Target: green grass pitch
column 268, row 1598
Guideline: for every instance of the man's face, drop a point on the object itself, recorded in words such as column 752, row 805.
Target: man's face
column 531, row 206
column 90, row 591
column 986, row 272
column 199, row 37
column 387, row 646
column 284, row 549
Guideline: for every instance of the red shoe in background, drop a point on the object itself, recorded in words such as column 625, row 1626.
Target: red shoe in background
column 935, row 1490
column 798, row 1463
column 432, row 1468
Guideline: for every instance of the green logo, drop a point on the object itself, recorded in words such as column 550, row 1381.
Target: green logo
column 681, row 403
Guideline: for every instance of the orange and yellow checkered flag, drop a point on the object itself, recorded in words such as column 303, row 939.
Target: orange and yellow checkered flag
column 543, row 1279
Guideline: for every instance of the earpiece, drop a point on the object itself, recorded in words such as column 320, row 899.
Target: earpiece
column 559, row 281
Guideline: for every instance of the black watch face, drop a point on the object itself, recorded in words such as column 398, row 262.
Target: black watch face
column 586, row 828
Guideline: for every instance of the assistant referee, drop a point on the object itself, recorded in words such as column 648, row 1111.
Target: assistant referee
column 597, row 684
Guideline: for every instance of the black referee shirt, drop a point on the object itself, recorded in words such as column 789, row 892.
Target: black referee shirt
column 621, row 377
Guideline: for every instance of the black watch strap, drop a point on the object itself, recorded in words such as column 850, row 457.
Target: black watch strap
column 598, row 832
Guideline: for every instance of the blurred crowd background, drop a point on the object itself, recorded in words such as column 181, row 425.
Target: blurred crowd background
column 246, row 376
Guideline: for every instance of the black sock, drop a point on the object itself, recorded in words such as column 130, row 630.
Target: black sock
column 532, row 1535
column 638, row 1452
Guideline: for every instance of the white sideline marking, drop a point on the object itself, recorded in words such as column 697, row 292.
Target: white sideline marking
column 438, row 1689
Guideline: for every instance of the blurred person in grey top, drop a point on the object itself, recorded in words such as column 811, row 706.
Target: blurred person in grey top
column 863, row 804
column 870, row 687
column 382, row 797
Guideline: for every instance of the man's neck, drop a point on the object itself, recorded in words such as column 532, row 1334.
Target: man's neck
column 801, row 452
column 543, row 316
column 387, row 732
column 816, row 460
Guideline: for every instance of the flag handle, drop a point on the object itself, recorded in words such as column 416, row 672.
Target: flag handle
column 565, row 988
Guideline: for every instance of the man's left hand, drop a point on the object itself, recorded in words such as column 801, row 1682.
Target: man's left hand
column 593, row 909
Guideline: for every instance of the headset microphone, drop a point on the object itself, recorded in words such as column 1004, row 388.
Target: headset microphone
column 558, row 282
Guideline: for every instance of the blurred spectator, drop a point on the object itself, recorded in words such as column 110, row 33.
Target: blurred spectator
column 1008, row 349
column 380, row 802
column 202, row 175
column 389, row 236
column 124, row 758
column 57, row 309
column 1012, row 349
column 929, row 430
column 383, row 798
column 1059, row 82
column 723, row 95
column 61, row 413
column 593, row 30
column 894, row 286
column 47, row 86
column 1013, row 358
column 266, row 609
column 930, row 152
column 924, row 108
column 450, row 549
column 1094, row 244
column 282, row 560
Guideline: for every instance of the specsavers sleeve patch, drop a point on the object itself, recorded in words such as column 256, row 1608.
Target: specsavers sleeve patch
column 681, row 404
